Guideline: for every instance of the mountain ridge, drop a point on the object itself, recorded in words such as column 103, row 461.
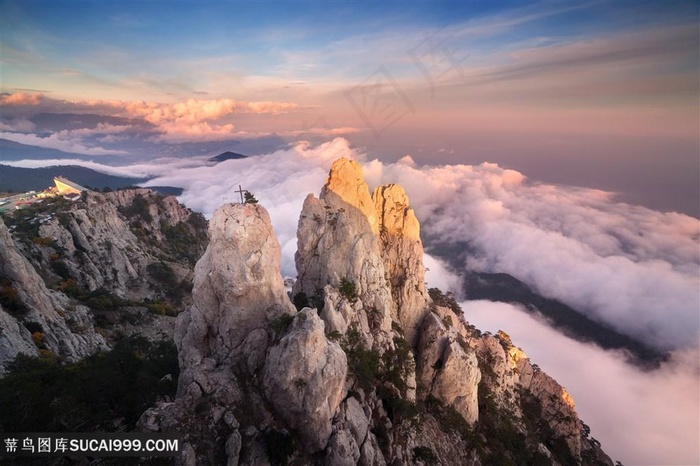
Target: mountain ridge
column 357, row 366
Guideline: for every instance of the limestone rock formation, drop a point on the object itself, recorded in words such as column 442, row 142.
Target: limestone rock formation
column 67, row 267
column 27, row 300
column 337, row 244
column 237, row 289
column 367, row 371
column 304, row 377
column 402, row 253
column 371, row 242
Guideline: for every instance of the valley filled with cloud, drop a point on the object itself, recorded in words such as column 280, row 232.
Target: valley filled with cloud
column 628, row 267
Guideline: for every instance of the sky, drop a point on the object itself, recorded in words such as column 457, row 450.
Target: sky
column 594, row 93
column 559, row 140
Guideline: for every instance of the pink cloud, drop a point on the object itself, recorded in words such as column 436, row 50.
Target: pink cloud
column 21, row 98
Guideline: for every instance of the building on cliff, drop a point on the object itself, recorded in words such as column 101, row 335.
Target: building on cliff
column 66, row 187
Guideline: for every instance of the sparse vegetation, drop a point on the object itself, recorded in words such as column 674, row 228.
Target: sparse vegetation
column 280, row 324
column 424, row 454
column 138, row 209
column 348, row 290
column 446, row 300
column 249, row 198
column 301, row 301
column 104, row 392
column 10, row 300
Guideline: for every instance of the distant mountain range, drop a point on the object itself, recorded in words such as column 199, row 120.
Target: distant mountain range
column 14, row 179
column 11, row 150
column 228, row 155
column 506, row 288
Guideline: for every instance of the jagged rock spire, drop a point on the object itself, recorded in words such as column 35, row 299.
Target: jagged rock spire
column 237, row 289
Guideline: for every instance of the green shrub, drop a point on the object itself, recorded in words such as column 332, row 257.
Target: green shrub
column 348, row 290
column 161, row 308
column 249, row 198
column 139, row 208
column 39, row 395
column 364, row 364
column 446, row 300
column 398, row 408
column 301, row 301
column 10, row 300
column 280, row 324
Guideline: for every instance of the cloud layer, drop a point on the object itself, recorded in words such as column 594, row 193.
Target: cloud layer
column 629, row 266
column 190, row 120
column 642, row 418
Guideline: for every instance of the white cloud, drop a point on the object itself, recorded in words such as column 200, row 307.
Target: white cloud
column 641, row 418
column 629, row 266
column 626, row 265
column 438, row 275
column 59, row 141
column 18, row 125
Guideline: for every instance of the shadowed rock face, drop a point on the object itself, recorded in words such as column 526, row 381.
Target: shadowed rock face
column 402, row 254
column 304, row 378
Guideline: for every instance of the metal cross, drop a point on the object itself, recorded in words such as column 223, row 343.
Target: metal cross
column 241, row 191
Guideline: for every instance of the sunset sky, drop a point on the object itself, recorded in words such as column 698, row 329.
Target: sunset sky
column 559, row 140
column 598, row 93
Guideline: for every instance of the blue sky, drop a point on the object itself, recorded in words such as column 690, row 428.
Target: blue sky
column 77, row 49
column 554, row 89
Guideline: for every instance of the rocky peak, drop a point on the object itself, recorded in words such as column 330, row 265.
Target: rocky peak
column 237, row 289
column 372, row 242
column 345, row 180
column 402, row 253
column 368, row 370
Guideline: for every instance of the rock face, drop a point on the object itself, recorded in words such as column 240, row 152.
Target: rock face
column 402, row 254
column 27, row 300
column 337, row 244
column 304, row 377
column 448, row 367
column 373, row 242
column 237, row 289
column 367, row 371
column 69, row 266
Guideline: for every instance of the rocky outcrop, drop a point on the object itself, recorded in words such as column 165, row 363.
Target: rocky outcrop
column 347, row 237
column 448, row 368
column 237, row 289
column 113, row 259
column 111, row 241
column 402, row 254
column 367, row 371
column 34, row 318
column 338, row 255
column 304, row 377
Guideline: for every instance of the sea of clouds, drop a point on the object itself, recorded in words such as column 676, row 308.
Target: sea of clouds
column 628, row 266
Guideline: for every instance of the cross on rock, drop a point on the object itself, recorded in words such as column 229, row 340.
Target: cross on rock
column 241, row 191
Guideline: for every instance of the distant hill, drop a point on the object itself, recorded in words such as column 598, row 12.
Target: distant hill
column 228, row 155
column 506, row 288
column 11, row 150
column 14, row 179
column 167, row 190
